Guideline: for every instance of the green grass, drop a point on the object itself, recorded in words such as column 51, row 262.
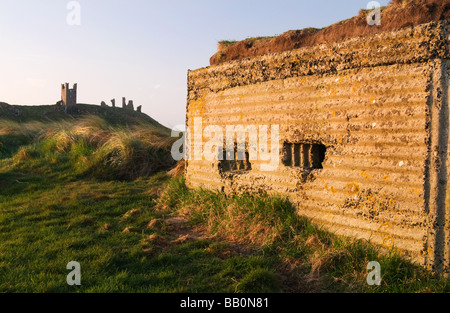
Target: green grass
column 47, row 222
column 226, row 43
column 96, row 192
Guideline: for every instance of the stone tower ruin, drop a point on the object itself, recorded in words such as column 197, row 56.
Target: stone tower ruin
column 130, row 105
column 68, row 97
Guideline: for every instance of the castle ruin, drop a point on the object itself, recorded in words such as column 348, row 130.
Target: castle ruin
column 68, row 98
column 129, row 106
column 68, row 101
column 364, row 135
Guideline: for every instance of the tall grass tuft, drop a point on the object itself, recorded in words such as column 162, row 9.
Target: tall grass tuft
column 89, row 146
column 130, row 154
column 257, row 220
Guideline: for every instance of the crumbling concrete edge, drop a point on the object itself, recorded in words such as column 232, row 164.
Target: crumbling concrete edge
column 436, row 173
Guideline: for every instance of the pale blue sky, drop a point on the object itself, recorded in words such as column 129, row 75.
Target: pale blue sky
column 140, row 49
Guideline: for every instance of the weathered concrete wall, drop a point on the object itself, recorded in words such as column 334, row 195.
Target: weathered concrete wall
column 378, row 104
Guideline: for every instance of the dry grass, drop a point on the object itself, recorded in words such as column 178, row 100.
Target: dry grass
column 247, row 220
column 91, row 146
column 399, row 14
column 178, row 170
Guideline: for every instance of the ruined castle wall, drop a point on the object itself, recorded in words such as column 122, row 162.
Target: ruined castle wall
column 378, row 105
column 64, row 94
column 69, row 97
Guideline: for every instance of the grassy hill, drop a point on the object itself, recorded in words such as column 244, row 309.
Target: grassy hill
column 45, row 113
column 94, row 188
column 101, row 141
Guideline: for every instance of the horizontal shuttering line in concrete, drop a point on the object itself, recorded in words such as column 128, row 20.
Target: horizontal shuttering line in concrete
column 409, row 240
column 412, row 209
column 337, row 186
column 252, row 101
column 279, row 180
column 368, row 171
column 292, row 100
column 355, row 82
column 396, row 149
column 333, row 190
column 313, row 103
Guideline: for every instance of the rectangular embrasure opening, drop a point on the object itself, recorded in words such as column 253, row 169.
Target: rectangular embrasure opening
column 304, row 155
